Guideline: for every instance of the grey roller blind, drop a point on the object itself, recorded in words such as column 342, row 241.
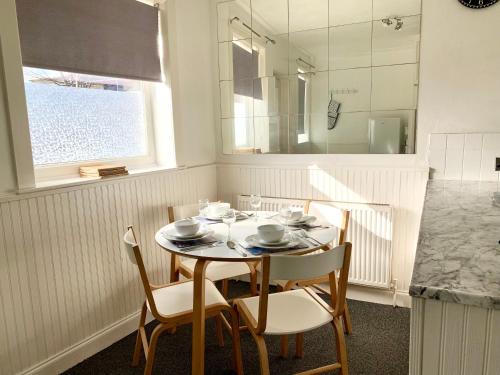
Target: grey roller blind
column 116, row 38
column 245, row 69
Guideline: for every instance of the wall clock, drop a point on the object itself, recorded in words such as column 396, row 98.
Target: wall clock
column 478, row 4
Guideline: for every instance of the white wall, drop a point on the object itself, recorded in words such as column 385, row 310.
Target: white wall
column 189, row 54
column 8, row 181
column 7, row 171
column 460, row 75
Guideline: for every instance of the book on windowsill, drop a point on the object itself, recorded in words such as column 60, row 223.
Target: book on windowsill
column 103, row 170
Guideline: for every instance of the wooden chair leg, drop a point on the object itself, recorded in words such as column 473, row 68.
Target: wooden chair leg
column 152, row 348
column 235, row 328
column 346, row 318
column 299, row 345
column 219, row 330
column 225, row 288
column 340, row 343
column 264, row 360
column 138, row 341
column 284, row 346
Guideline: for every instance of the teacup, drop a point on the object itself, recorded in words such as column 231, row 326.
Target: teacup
column 271, row 232
column 217, row 209
column 292, row 213
column 187, row 227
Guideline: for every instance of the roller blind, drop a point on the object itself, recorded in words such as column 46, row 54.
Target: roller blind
column 245, row 69
column 115, row 38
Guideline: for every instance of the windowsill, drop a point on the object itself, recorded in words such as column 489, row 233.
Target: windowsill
column 77, row 181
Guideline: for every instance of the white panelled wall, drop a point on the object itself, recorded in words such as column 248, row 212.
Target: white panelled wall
column 67, row 289
column 465, row 156
column 402, row 188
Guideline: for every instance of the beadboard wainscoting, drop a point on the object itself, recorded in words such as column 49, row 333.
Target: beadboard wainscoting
column 67, row 288
column 449, row 338
column 401, row 188
column 469, row 156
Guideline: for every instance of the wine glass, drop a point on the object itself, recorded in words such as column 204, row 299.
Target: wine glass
column 228, row 218
column 255, row 202
column 286, row 213
column 202, row 205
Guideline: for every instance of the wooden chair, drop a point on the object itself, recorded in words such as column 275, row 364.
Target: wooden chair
column 216, row 271
column 298, row 310
column 172, row 305
column 327, row 213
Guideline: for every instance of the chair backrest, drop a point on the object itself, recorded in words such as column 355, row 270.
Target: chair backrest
column 293, row 267
column 181, row 212
column 331, row 214
column 134, row 254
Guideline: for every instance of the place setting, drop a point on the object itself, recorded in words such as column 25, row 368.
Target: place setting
column 295, row 218
column 213, row 212
column 190, row 234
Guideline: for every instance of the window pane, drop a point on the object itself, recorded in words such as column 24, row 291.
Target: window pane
column 302, row 105
column 77, row 117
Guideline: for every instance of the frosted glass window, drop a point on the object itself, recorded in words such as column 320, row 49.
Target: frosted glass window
column 77, row 117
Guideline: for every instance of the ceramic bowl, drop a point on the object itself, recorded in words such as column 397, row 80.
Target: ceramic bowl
column 293, row 213
column 187, row 227
column 271, row 232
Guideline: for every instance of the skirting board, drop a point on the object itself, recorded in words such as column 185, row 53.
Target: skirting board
column 380, row 296
column 84, row 349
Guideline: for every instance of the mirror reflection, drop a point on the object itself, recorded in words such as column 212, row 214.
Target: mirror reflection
column 318, row 76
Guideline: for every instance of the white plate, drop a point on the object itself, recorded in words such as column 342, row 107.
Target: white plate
column 306, row 219
column 254, row 241
column 239, row 216
column 284, row 241
column 172, row 234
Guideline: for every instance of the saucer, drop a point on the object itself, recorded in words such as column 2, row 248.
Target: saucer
column 255, row 241
column 172, row 234
column 239, row 216
column 306, row 219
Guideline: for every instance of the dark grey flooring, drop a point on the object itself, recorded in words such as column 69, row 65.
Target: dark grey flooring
column 378, row 345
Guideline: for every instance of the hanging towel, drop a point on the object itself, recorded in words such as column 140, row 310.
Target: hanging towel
column 333, row 112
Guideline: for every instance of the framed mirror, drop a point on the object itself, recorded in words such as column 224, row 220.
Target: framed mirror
column 318, row 76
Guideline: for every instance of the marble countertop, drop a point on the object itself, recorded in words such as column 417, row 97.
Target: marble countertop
column 458, row 252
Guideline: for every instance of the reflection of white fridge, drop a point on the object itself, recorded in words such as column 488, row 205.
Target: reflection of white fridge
column 385, row 135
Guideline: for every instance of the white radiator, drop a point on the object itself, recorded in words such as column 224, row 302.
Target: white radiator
column 269, row 203
column 370, row 232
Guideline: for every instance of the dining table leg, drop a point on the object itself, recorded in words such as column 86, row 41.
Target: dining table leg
column 198, row 356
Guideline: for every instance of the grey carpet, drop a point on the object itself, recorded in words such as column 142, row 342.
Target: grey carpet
column 378, row 345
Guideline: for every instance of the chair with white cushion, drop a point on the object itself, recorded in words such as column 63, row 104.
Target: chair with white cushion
column 172, row 305
column 216, row 271
column 299, row 310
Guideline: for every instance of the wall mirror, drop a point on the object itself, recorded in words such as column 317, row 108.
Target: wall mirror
column 318, row 76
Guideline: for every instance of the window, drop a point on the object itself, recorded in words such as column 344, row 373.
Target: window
column 76, row 118
column 90, row 88
column 303, row 85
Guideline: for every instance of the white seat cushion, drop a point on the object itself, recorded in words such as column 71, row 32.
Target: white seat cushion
column 178, row 298
column 219, row 270
column 290, row 312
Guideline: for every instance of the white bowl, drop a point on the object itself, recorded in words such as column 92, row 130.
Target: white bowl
column 217, row 209
column 293, row 213
column 271, row 232
column 187, row 227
